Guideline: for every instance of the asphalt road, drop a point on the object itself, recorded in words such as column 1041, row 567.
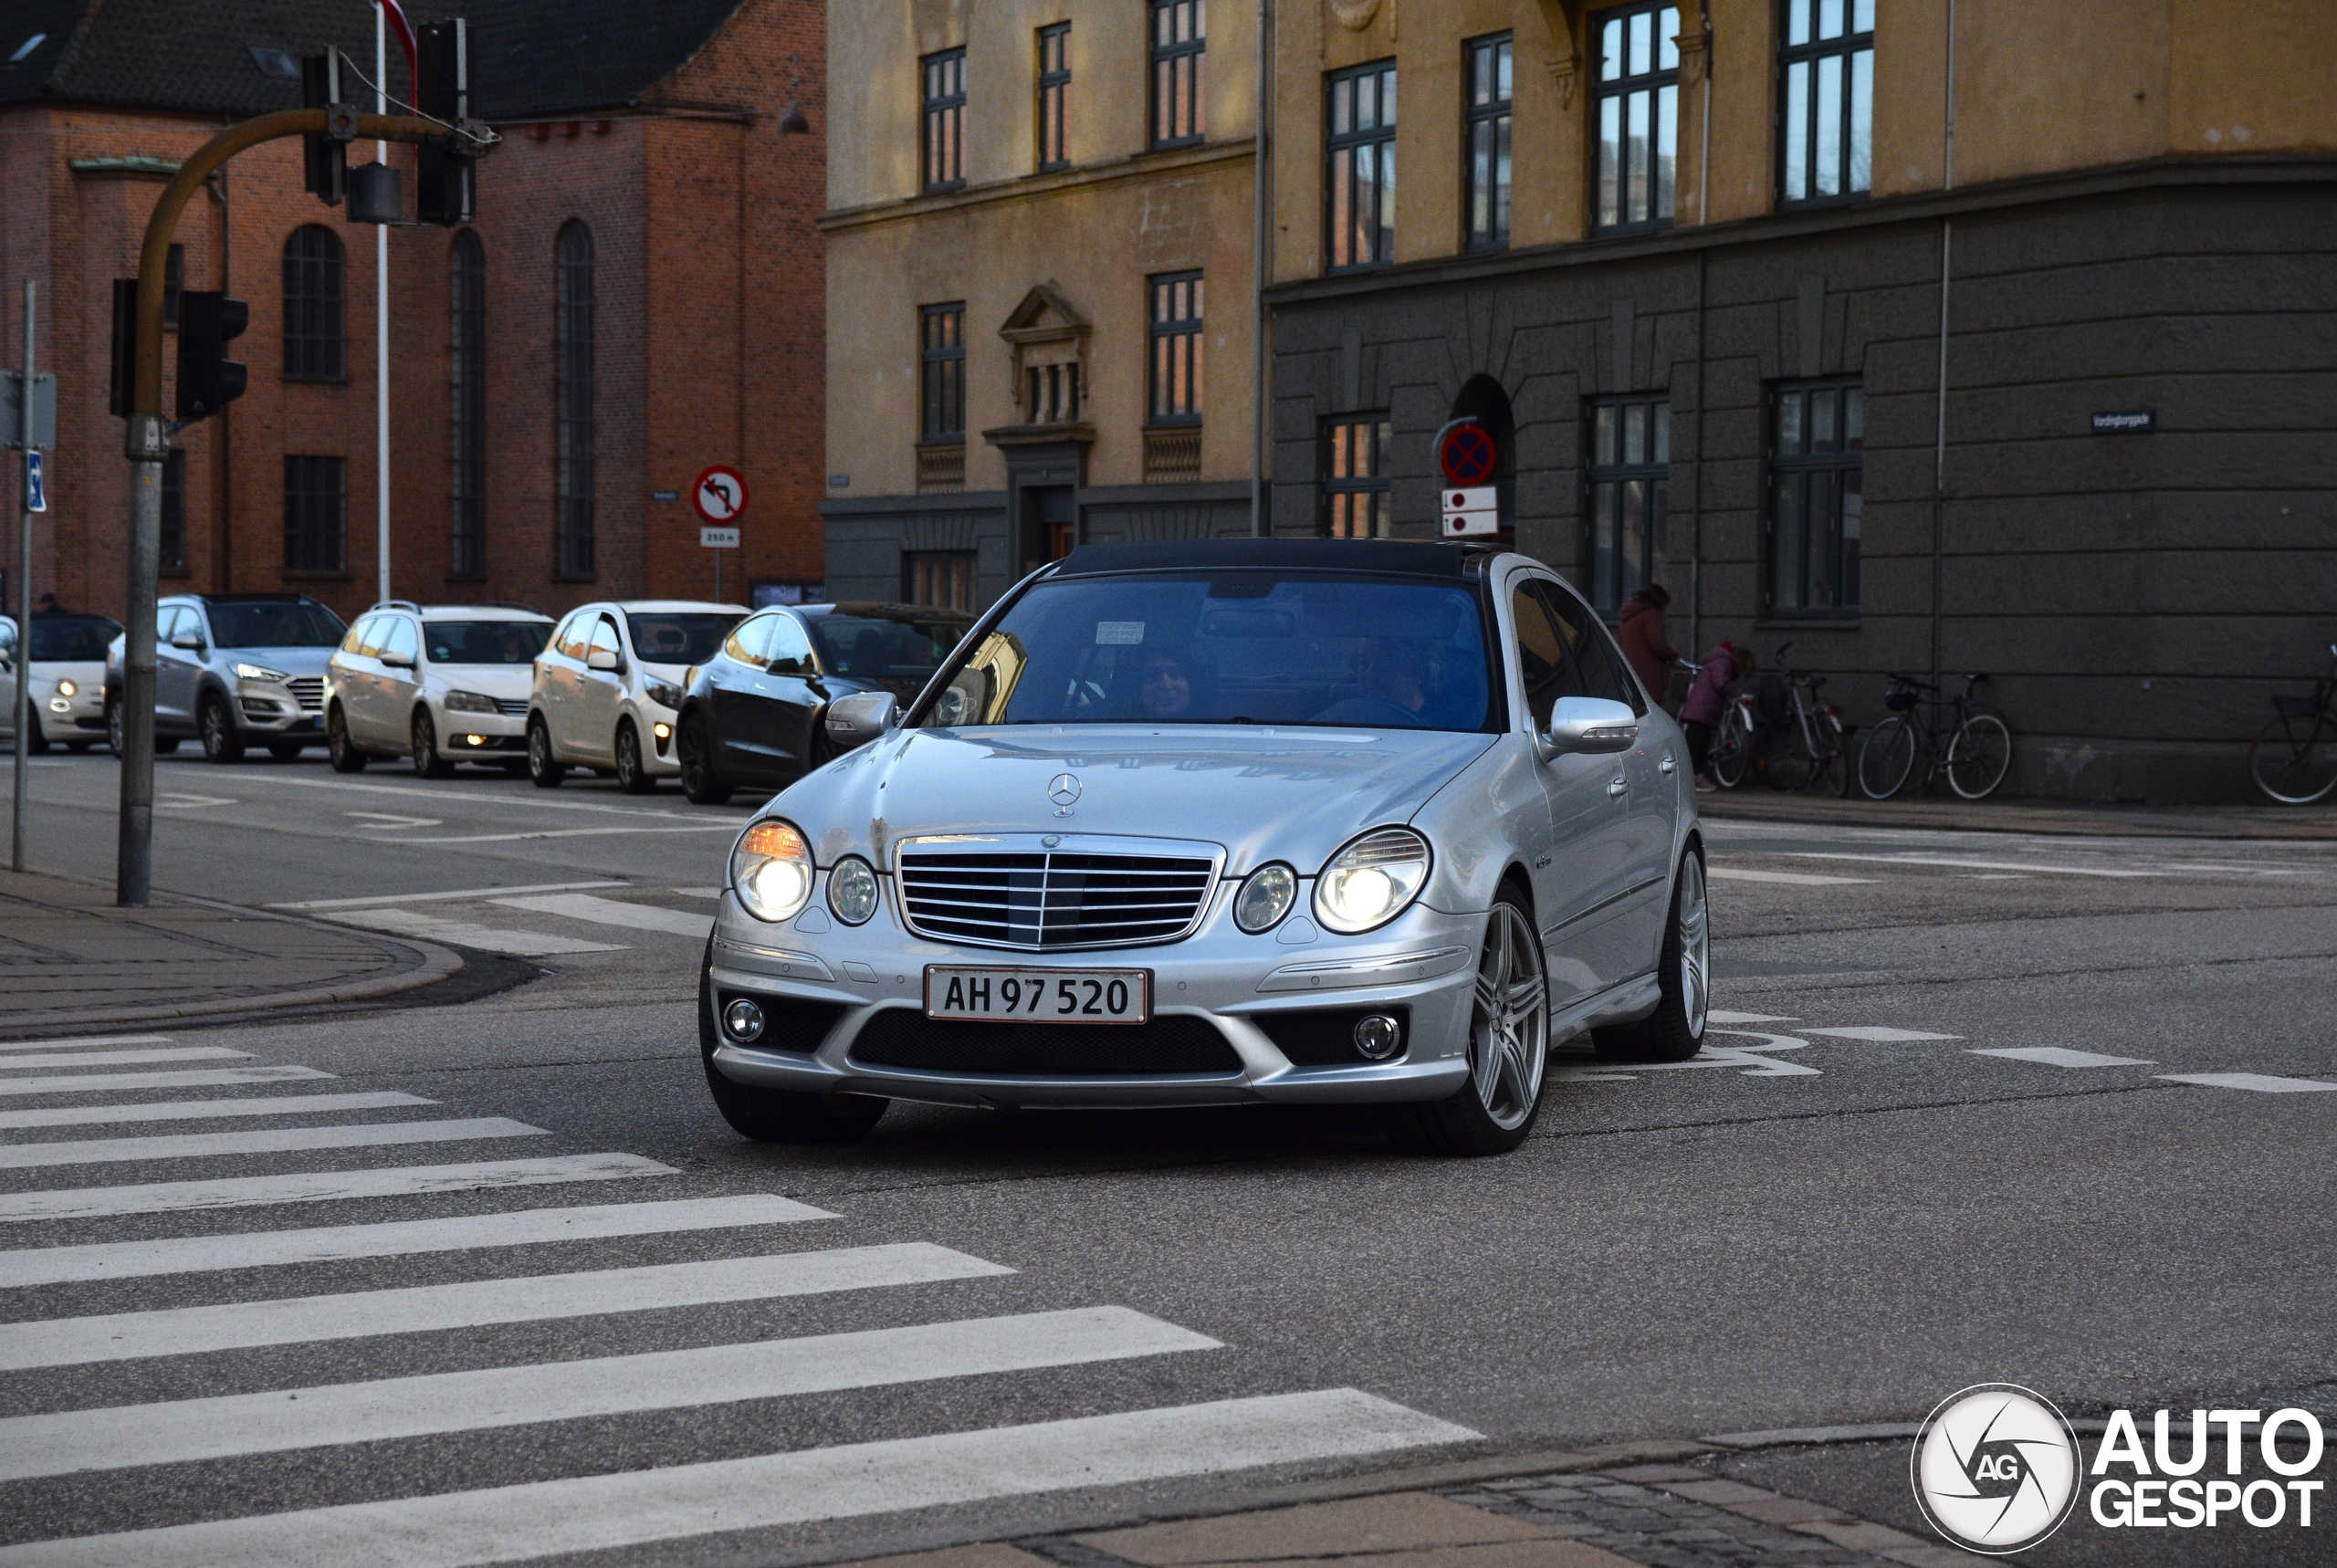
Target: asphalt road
column 1887, row 1178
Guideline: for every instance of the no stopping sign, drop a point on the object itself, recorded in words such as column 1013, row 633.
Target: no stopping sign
column 1465, row 454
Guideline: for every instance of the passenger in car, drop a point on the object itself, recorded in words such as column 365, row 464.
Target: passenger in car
column 1394, row 679
column 1167, row 688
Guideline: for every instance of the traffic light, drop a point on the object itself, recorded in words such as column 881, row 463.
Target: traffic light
column 324, row 158
column 446, row 177
column 208, row 380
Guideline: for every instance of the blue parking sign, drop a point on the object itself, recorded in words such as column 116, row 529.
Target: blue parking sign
column 35, row 492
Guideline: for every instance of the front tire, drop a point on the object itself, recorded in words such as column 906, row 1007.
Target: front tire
column 633, row 777
column 1509, row 1046
column 1886, row 758
column 777, row 1115
column 424, row 735
column 701, row 780
column 339, row 750
column 1979, row 756
column 2291, row 773
column 217, row 727
column 1675, row 1030
column 35, row 742
column 544, row 771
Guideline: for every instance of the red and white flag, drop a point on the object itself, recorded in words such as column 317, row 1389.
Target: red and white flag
column 398, row 25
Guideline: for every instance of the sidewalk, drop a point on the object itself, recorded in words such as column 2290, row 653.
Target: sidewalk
column 1752, row 803
column 70, row 960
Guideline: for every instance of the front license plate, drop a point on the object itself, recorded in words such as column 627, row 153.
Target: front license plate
column 1039, row 996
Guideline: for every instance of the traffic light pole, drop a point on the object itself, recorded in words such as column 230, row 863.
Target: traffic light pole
column 147, row 442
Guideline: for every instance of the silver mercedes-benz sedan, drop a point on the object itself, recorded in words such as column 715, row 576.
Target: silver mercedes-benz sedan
column 1227, row 821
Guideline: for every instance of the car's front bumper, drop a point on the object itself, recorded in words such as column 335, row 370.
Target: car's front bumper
column 1422, row 966
column 271, row 710
column 496, row 736
column 82, row 716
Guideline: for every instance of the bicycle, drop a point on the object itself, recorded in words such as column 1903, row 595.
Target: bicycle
column 1783, row 734
column 2297, row 766
column 1970, row 742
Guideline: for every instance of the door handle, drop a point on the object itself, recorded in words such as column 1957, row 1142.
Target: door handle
column 1617, row 788
column 1667, row 766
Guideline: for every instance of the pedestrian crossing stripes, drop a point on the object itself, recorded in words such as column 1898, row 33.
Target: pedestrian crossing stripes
column 465, row 934
column 395, row 1238
column 127, row 1435
column 202, row 1109
column 585, row 1514
column 120, row 1058
column 610, row 911
column 260, row 1141
column 474, row 1303
column 319, row 1187
column 200, row 1078
column 83, row 1041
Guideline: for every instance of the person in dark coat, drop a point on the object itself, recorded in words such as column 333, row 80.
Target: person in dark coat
column 1726, row 670
column 1640, row 629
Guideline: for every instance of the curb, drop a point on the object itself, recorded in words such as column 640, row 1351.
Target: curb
column 2305, row 825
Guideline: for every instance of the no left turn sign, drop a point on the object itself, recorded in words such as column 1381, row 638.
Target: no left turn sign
column 719, row 495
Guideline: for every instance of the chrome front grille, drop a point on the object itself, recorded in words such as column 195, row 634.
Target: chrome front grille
column 511, row 707
column 1016, row 892
column 310, row 691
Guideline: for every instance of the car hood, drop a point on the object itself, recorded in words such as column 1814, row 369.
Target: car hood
column 1293, row 795
column 79, row 670
column 513, row 681
column 291, row 661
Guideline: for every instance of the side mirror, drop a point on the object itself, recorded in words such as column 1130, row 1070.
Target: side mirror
column 601, row 659
column 191, row 641
column 1589, row 726
column 859, row 718
column 398, row 661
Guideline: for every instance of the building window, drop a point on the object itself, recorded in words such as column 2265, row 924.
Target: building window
column 945, row 119
column 944, row 579
column 572, row 352
column 1638, row 112
column 1486, row 138
column 316, row 514
column 1054, row 97
column 1825, row 126
column 1356, row 502
column 315, row 333
column 1817, row 500
column 1177, row 348
column 173, row 556
column 173, row 282
column 942, row 353
column 1179, row 51
column 1361, row 184
column 1630, row 487
column 466, row 489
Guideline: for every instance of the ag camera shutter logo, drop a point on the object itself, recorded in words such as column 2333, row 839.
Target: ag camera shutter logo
column 1995, row 1469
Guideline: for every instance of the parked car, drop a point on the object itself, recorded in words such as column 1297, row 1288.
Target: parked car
column 234, row 670
column 752, row 714
column 442, row 684
column 608, row 689
column 1224, row 821
column 65, row 665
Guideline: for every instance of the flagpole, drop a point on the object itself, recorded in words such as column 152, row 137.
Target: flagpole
column 381, row 319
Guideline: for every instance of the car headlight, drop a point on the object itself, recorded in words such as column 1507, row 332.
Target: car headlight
column 67, row 688
column 470, row 702
column 771, row 869
column 259, row 673
column 1369, row 883
column 1265, row 897
column 852, row 890
column 664, row 693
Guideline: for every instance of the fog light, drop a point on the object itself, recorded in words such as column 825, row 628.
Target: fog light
column 474, row 740
column 1378, row 1036
column 742, row 1020
column 58, row 705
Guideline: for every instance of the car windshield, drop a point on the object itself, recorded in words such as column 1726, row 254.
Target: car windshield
column 891, row 649
column 276, row 626
column 484, row 642
column 670, row 637
column 72, row 638
column 1230, row 647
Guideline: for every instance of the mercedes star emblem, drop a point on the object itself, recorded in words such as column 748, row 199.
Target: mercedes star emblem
column 1063, row 790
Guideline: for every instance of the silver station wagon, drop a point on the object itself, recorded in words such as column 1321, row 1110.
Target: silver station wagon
column 1216, row 822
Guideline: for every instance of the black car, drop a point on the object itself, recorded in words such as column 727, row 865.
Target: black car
column 751, row 716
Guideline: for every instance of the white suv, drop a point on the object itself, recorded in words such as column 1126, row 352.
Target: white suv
column 609, row 687
column 441, row 684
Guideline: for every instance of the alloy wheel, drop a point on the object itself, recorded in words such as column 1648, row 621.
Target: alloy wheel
column 1695, row 944
column 1509, row 1029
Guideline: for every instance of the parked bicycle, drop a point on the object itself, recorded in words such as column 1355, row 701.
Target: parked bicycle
column 1782, row 735
column 2294, row 760
column 1961, row 737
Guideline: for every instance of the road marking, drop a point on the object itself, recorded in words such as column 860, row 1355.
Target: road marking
column 123, row 1058
column 84, row 1043
column 2260, row 1082
column 1797, row 878
column 609, row 912
column 441, row 796
column 1751, row 1059
column 1879, row 1035
column 1716, row 1016
column 2060, row 1056
column 379, row 1411
column 391, row 820
column 393, row 1238
column 197, row 1109
column 1958, row 861
column 467, row 892
column 319, row 1187
column 475, row 1304
column 585, row 1514
column 487, row 938
column 730, row 828
column 260, row 1141
column 175, row 800
column 210, row 1077
column 696, row 892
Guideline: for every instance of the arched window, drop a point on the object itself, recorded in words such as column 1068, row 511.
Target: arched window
column 316, row 335
column 466, row 299
column 572, row 341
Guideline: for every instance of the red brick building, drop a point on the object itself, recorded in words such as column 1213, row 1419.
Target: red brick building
column 640, row 298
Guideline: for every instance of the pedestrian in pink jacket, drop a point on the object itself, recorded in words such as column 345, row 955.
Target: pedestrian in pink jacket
column 1726, row 670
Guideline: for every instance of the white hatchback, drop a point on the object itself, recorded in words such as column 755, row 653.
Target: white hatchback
column 440, row 684
column 609, row 687
column 67, row 673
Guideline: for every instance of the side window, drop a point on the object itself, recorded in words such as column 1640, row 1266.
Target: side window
column 360, row 639
column 184, row 622
column 789, row 651
column 605, row 639
column 746, row 641
column 569, row 638
column 1546, row 665
column 399, row 641
column 1604, row 674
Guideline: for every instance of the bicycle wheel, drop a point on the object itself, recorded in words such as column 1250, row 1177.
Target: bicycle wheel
column 1886, row 758
column 1834, row 768
column 1979, row 755
column 1732, row 749
column 2292, row 765
column 1781, row 761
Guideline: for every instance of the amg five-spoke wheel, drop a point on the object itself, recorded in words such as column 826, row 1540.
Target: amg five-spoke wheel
column 1509, row 1045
